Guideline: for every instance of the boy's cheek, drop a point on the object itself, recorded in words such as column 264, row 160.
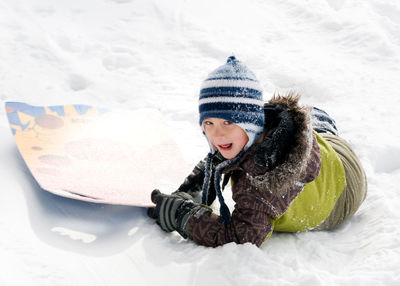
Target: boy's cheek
column 210, row 139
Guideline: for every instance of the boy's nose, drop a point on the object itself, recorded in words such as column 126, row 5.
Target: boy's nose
column 219, row 131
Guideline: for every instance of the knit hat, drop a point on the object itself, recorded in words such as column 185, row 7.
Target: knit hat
column 232, row 92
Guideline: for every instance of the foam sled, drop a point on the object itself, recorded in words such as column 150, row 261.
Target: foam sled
column 95, row 154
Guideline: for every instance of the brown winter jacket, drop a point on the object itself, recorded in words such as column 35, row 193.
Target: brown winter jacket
column 260, row 194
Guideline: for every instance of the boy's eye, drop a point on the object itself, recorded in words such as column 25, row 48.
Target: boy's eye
column 226, row 122
column 207, row 122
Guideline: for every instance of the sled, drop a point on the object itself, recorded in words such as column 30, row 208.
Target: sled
column 97, row 154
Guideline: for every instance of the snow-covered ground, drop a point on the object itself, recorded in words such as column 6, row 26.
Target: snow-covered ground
column 341, row 55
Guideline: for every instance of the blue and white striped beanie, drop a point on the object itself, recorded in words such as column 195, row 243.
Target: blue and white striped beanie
column 232, row 92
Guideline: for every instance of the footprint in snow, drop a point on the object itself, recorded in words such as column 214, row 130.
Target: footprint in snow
column 77, row 82
column 118, row 61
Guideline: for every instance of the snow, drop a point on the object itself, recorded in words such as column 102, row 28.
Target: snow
column 341, row 55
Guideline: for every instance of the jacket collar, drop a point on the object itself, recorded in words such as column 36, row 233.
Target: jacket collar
column 290, row 171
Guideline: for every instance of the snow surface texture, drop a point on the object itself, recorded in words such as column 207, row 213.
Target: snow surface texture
column 341, row 55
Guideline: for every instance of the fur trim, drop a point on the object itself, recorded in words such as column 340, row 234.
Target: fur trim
column 281, row 179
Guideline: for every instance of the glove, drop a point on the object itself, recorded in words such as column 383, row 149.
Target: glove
column 172, row 212
column 280, row 129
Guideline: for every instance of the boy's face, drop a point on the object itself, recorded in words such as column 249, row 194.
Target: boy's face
column 226, row 136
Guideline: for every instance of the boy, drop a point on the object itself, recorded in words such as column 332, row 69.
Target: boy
column 289, row 169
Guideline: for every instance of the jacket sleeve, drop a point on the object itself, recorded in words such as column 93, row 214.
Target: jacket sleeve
column 193, row 183
column 250, row 223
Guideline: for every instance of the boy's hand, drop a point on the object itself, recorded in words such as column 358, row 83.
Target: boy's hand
column 172, row 212
column 165, row 210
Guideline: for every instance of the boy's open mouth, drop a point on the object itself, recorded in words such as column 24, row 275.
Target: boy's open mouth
column 225, row 147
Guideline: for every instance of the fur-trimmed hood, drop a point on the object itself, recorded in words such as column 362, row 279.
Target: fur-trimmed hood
column 292, row 169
